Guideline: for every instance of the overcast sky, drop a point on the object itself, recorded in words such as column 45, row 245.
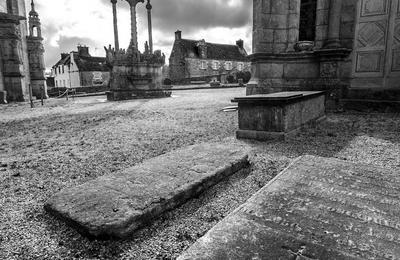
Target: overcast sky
column 66, row 23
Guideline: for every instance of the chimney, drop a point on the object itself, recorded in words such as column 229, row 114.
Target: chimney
column 64, row 55
column 83, row 51
column 240, row 43
column 178, row 35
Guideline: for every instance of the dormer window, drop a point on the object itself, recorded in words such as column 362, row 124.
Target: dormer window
column 203, row 65
column 215, row 65
column 228, row 65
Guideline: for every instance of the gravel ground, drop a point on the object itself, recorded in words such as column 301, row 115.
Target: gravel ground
column 67, row 143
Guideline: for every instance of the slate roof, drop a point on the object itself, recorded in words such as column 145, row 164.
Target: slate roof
column 214, row 51
column 85, row 63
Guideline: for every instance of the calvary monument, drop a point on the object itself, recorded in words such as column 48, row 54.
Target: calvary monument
column 135, row 74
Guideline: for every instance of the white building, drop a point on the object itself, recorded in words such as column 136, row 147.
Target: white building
column 80, row 69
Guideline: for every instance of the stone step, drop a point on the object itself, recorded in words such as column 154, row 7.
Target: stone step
column 318, row 208
column 115, row 205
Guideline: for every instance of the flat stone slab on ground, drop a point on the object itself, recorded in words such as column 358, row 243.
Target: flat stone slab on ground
column 115, row 205
column 318, row 208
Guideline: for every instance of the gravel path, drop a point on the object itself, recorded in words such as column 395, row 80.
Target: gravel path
column 68, row 143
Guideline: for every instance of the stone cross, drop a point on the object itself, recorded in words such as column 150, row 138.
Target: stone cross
column 133, row 4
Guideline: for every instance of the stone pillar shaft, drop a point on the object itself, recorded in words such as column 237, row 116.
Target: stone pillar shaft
column 333, row 40
column 149, row 7
column 133, row 4
column 115, row 20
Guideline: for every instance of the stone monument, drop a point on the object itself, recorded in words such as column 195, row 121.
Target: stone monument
column 135, row 74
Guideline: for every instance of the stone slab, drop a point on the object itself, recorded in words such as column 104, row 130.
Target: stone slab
column 278, row 97
column 115, row 205
column 318, row 208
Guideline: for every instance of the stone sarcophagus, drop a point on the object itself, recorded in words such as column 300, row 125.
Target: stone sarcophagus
column 278, row 115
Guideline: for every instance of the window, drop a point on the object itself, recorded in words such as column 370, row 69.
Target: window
column 228, row 65
column 63, row 69
column 308, row 15
column 215, row 65
column 203, row 65
column 59, row 70
column 56, row 83
column 240, row 66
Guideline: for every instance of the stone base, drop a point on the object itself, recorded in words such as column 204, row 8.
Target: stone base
column 136, row 94
column 3, row 97
column 367, row 105
column 279, row 136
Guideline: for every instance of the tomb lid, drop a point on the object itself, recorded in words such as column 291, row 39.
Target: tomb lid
column 280, row 96
column 318, row 208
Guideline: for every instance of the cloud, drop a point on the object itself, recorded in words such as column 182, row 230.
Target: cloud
column 69, row 22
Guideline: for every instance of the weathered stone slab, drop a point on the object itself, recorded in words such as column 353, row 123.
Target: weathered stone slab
column 115, row 205
column 318, row 208
column 278, row 115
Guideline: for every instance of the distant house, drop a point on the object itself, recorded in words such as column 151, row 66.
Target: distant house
column 80, row 69
column 193, row 60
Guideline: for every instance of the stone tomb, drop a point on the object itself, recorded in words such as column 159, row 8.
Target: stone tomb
column 318, row 208
column 115, row 205
column 278, row 115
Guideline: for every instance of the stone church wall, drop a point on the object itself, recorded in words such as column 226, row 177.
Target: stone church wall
column 3, row 7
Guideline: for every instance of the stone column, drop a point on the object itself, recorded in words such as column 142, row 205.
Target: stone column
column 335, row 10
column 149, row 7
column 116, row 40
column 133, row 4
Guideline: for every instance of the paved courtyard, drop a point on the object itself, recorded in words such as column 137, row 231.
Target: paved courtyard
column 66, row 143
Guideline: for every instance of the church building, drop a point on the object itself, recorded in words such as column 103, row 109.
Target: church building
column 351, row 48
column 21, row 53
column 193, row 60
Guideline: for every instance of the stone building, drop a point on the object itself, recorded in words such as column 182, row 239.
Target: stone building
column 78, row 69
column 356, row 52
column 21, row 52
column 193, row 60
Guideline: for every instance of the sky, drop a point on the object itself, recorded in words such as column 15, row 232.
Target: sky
column 67, row 23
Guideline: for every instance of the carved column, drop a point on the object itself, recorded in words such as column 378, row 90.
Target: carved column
column 333, row 40
column 116, row 40
column 133, row 4
column 149, row 7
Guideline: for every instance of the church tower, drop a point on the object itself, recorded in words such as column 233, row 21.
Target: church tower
column 36, row 54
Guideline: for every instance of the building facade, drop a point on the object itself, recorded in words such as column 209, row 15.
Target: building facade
column 349, row 47
column 78, row 69
column 193, row 60
column 21, row 53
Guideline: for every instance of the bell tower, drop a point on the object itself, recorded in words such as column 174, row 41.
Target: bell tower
column 36, row 54
column 34, row 22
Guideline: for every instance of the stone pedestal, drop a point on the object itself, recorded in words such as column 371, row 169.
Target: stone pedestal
column 134, row 81
column 278, row 115
column 135, row 75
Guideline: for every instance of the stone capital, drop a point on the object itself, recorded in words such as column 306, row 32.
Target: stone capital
column 133, row 3
column 114, row 2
